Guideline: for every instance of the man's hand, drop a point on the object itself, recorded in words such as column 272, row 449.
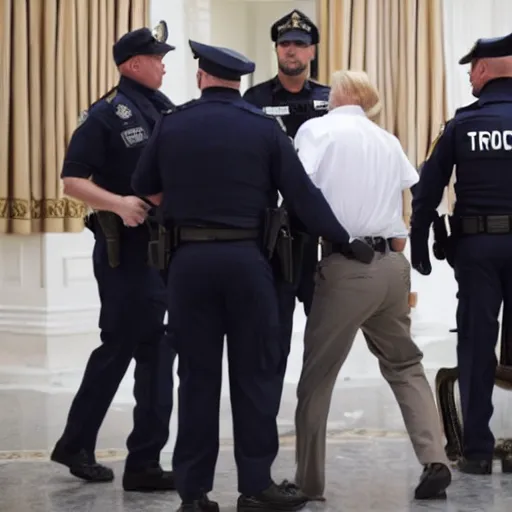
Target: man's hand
column 420, row 256
column 132, row 210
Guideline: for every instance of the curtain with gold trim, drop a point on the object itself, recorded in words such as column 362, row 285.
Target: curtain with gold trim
column 399, row 43
column 55, row 60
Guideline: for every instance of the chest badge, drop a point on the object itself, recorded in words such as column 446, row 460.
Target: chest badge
column 123, row 112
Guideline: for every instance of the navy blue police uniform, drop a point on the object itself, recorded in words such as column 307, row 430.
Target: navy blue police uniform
column 105, row 148
column 219, row 163
column 478, row 142
column 292, row 109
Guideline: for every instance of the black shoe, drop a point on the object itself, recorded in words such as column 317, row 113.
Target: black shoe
column 475, row 467
column 434, row 480
column 82, row 465
column 203, row 504
column 294, row 488
column 454, row 330
column 274, row 498
column 148, row 480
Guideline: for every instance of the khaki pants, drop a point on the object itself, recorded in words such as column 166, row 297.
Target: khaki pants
column 350, row 295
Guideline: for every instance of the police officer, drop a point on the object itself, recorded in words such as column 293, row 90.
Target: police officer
column 478, row 142
column 293, row 99
column 291, row 96
column 216, row 165
column 97, row 169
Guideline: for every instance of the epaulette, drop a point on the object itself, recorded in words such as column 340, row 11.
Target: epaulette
column 108, row 97
column 111, row 95
column 436, row 140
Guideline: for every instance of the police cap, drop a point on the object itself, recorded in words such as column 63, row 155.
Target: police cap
column 142, row 42
column 221, row 62
column 489, row 48
column 295, row 26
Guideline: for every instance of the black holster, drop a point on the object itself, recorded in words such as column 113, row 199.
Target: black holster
column 110, row 225
column 160, row 245
column 277, row 242
column 443, row 247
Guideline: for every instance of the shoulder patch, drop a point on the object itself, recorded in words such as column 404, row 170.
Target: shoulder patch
column 123, row 111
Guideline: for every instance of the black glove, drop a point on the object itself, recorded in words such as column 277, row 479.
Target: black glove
column 362, row 251
column 438, row 251
column 420, row 257
column 450, row 250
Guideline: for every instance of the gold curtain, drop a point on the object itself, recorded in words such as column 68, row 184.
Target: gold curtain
column 399, row 43
column 55, row 60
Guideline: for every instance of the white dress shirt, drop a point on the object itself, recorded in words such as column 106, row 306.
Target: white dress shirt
column 361, row 170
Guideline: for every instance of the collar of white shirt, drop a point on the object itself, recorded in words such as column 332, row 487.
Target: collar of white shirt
column 354, row 110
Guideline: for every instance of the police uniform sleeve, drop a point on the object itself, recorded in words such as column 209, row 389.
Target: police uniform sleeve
column 300, row 194
column 146, row 179
column 87, row 150
column 434, row 177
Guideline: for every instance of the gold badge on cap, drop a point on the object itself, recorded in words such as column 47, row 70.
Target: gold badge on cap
column 296, row 21
column 161, row 32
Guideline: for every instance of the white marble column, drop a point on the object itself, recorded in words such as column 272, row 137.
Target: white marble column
column 49, row 301
column 48, row 306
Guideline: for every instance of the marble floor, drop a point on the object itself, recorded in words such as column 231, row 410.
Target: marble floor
column 370, row 461
column 364, row 473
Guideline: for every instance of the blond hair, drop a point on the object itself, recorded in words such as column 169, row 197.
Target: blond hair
column 355, row 88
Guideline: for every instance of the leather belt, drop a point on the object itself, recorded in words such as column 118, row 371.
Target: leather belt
column 203, row 234
column 489, row 224
column 377, row 243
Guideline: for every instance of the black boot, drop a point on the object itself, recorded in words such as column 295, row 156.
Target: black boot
column 82, row 465
column 201, row 505
column 273, row 498
column 434, row 480
column 148, row 479
column 475, row 467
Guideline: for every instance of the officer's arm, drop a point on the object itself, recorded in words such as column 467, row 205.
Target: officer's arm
column 85, row 155
column 146, row 180
column 299, row 192
column 434, row 177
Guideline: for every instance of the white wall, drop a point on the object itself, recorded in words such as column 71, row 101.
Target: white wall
column 465, row 21
column 244, row 25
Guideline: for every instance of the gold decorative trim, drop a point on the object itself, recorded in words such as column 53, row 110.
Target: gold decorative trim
column 25, row 209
